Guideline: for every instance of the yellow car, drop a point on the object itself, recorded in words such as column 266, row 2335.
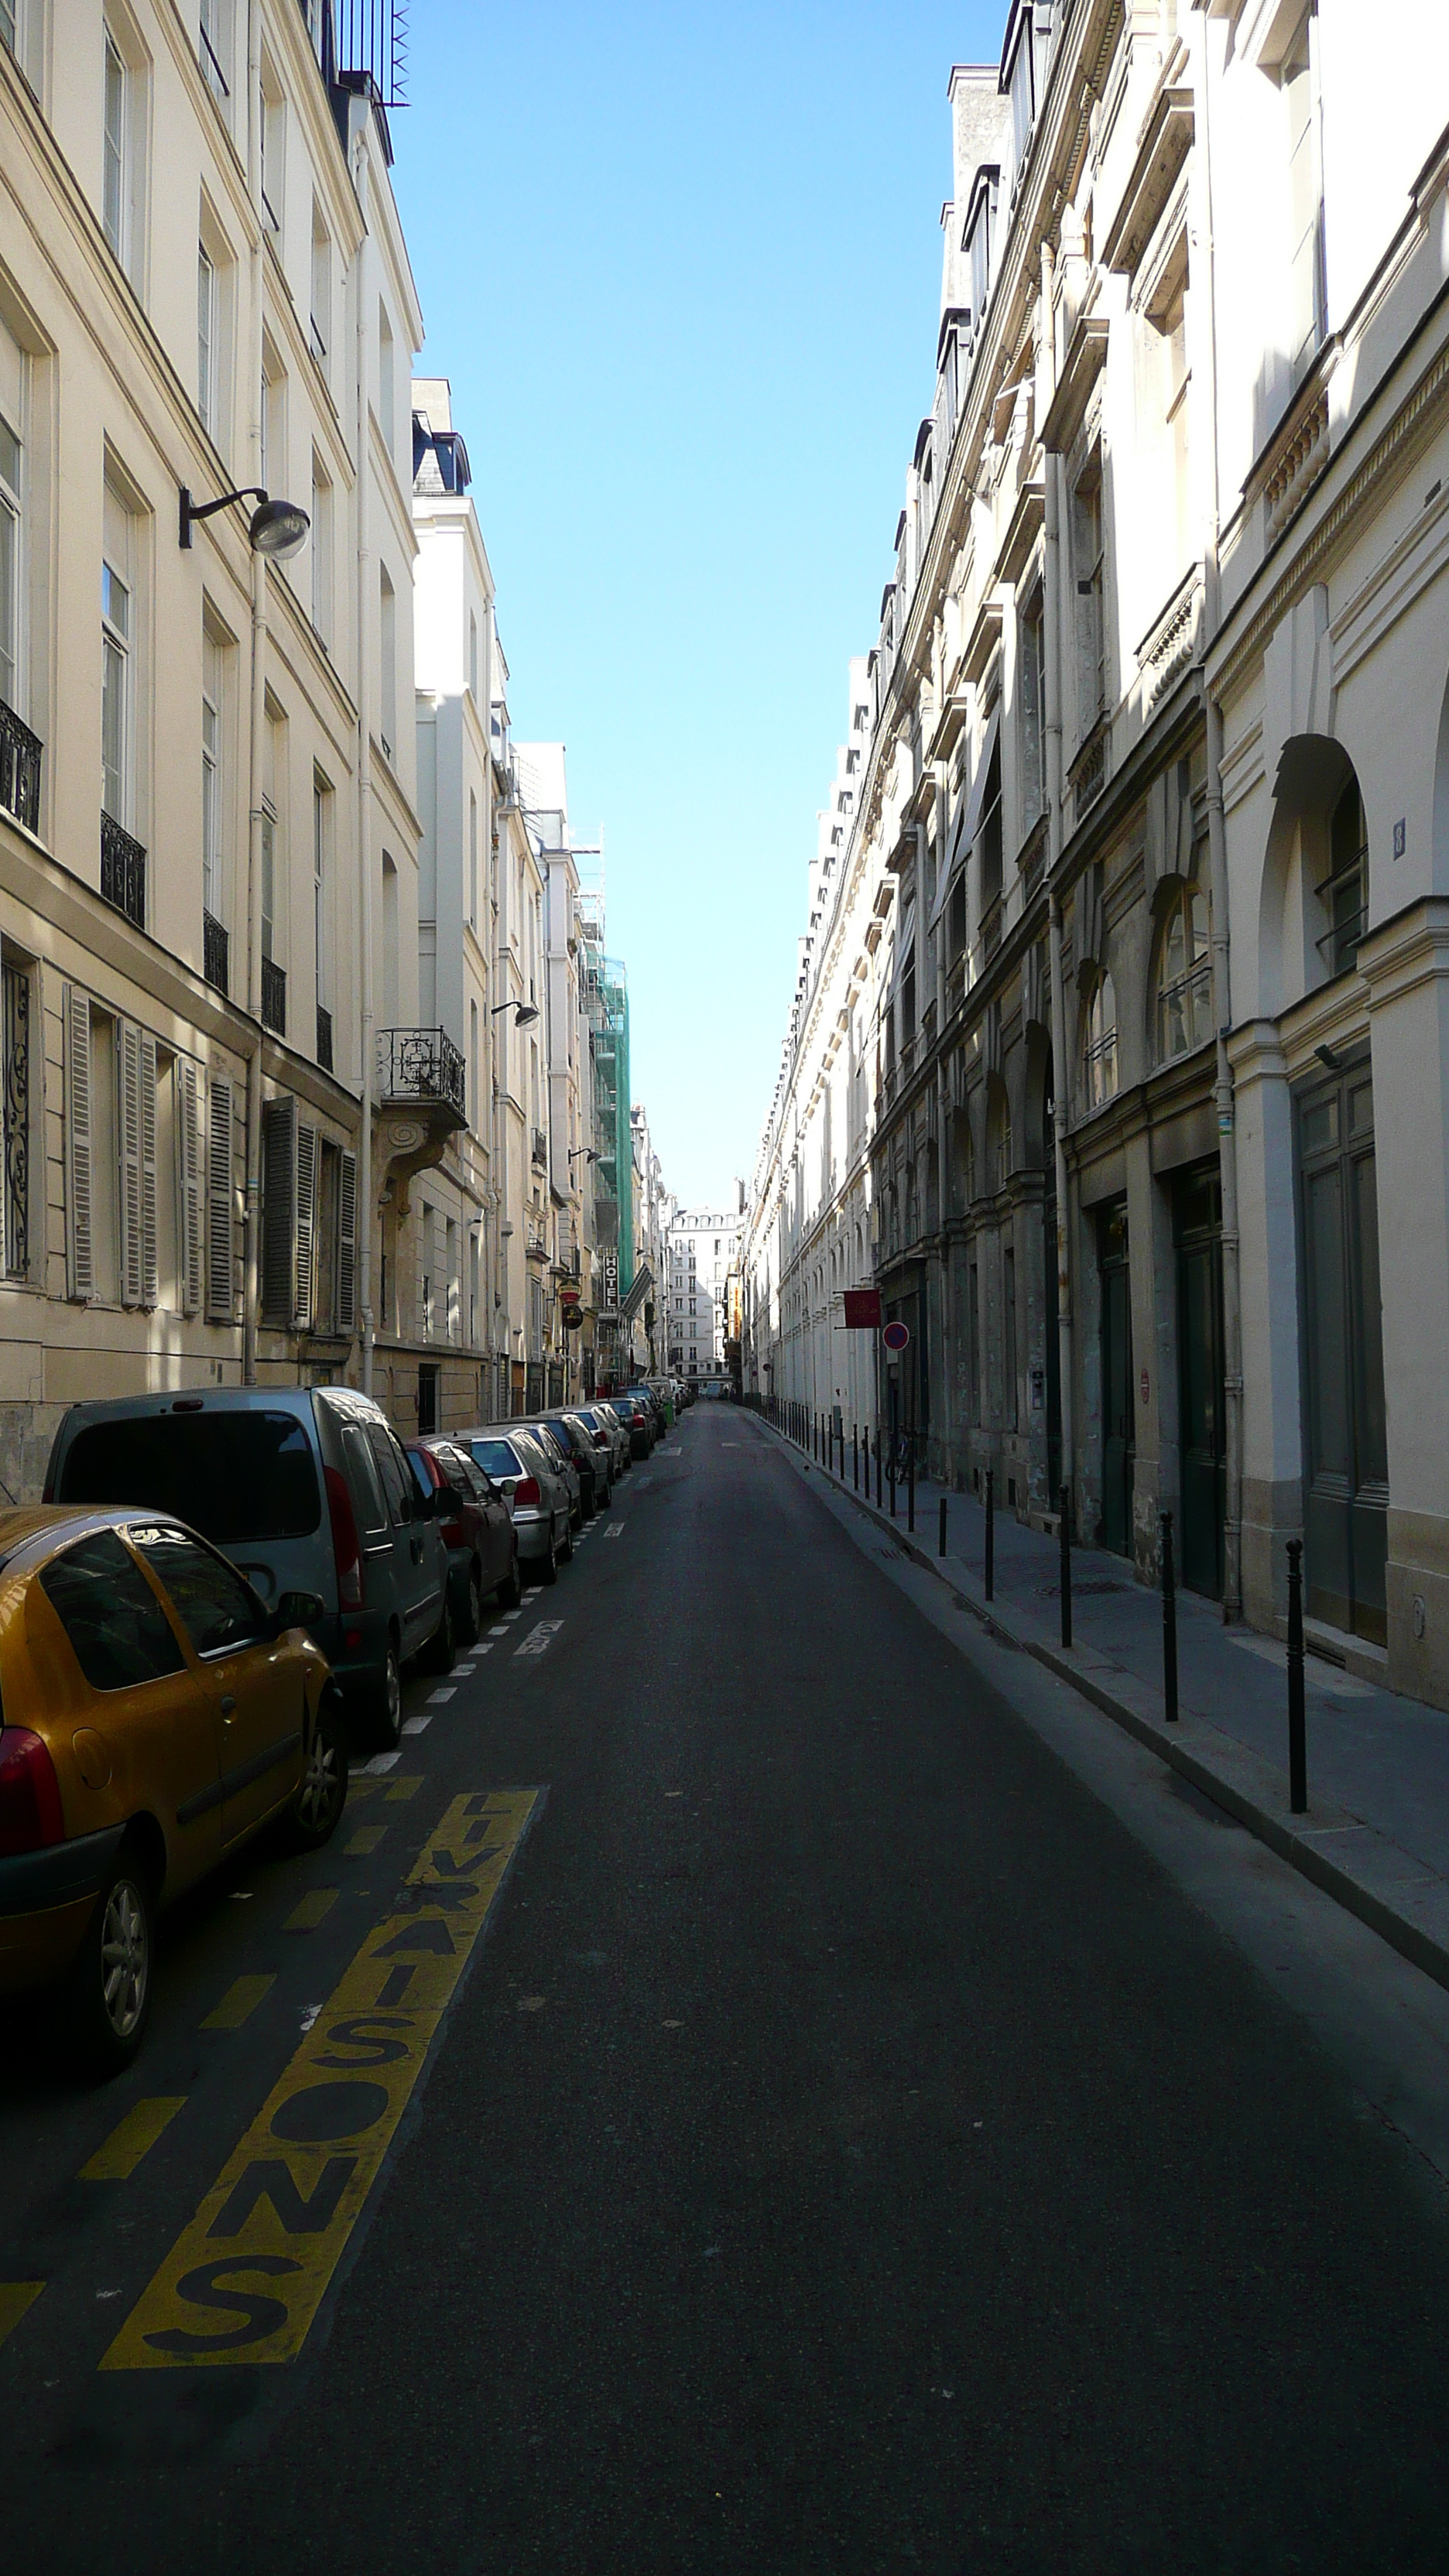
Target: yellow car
column 153, row 1714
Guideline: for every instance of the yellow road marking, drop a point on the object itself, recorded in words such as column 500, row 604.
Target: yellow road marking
column 117, row 2160
column 15, row 2298
column 239, row 2003
column 407, row 1787
column 366, row 1838
column 245, row 2279
column 314, row 1908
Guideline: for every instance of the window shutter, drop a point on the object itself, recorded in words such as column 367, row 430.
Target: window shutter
column 279, row 1213
column 148, row 1169
column 80, row 1255
column 128, row 1093
column 188, row 1150
column 347, row 1246
column 306, row 1223
column 220, row 1260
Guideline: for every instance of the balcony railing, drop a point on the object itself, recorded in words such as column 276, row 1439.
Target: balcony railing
column 421, row 1064
column 215, row 947
column 274, row 997
column 324, row 1039
column 19, row 769
column 540, row 1150
column 123, row 872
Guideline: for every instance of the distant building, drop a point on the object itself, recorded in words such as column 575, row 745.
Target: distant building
column 702, row 1256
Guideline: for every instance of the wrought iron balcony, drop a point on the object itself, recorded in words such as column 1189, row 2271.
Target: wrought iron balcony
column 324, row 1039
column 215, row 948
column 421, row 1065
column 123, row 872
column 540, row 1150
column 274, row 997
column 19, row 769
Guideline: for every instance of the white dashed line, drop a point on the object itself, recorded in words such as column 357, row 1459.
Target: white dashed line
column 380, row 1762
column 499, row 1631
column 614, row 1530
column 437, row 1697
column 416, row 1725
column 482, row 1650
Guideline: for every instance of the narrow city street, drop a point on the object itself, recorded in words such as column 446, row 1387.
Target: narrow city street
column 854, row 2139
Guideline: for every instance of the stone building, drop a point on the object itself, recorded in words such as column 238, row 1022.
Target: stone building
column 1135, row 934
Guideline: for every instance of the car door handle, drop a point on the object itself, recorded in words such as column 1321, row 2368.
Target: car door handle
column 228, row 1702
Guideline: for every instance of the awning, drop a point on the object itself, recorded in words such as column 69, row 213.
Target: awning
column 968, row 819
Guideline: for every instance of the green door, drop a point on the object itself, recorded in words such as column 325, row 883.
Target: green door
column 1119, row 1448
column 1346, row 1471
column 1198, row 1228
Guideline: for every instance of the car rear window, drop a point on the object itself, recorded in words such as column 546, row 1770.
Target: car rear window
column 496, row 1457
column 236, row 1477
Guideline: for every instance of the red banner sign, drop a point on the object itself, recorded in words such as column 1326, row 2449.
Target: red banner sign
column 862, row 1310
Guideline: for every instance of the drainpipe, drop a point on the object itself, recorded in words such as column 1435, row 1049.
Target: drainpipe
column 1061, row 1084
column 1218, row 884
column 366, row 1016
column 257, row 716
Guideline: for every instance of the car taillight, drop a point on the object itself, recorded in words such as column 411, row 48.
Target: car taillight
column 526, row 1490
column 345, row 1549
column 601, row 1440
column 30, row 1815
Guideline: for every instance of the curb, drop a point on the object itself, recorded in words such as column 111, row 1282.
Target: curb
column 1425, row 1943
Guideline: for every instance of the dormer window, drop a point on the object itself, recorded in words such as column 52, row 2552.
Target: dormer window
column 1018, row 76
column 976, row 239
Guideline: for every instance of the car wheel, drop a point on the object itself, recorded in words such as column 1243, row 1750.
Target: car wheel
column 387, row 1725
column 317, row 1807
column 550, row 1562
column 437, row 1656
column 510, row 1590
column 108, row 1991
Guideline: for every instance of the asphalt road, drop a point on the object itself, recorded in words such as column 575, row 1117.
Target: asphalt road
column 810, row 2135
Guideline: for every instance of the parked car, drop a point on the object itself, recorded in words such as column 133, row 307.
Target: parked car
column 662, row 1390
column 536, row 1494
column 608, row 1435
column 546, row 1432
column 477, row 1528
column 157, row 1714
column 305, row 1489
column 638, row 1421
column 647, row 1397
column 595, row 1465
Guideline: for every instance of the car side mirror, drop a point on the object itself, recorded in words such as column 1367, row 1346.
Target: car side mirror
column 297, row 1610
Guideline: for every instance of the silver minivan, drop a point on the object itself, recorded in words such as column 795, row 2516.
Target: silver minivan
column 306, row 1489
column 538, row 1497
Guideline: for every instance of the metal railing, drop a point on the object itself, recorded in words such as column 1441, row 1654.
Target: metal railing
column 421, row 1064
column 215, row 952
column 20, row 751
column 540, row 1149
column 274, row 997
column 123, row 871
column 324, row 1038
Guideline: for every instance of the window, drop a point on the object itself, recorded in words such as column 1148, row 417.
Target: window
column 117, row 1629
column 1307, row 317
column 973, row 1338
column 211, row 688
column 116, row 638
column 473, row 858
column 219, row 1612
column 114, row 208
column 11, row 576
column 321, row 852
column 15, row 1104
column 8, row 30
column 1099, row 1043
column 1008, row 1335
column 273, row 421
column 387, row 638
column 1344, row 891
column 321, row 332
column 1184, row 976
column 473, row 1096
column 268, row 887
column 978, row 239
column 1020, row 81
column 274, row 148
column 214, row 49
column 1087, row 558
column 1032, row 692
column 1175, row 417
column 206, row 339
column 473, row 657
column 386, row 381
column 321, row 550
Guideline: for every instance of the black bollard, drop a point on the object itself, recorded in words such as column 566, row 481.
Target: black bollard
column 877, row 1466
column 891, row 1479
column 990, row 1534
column 1169, row 1626
column 911, row 1489
column 855, row 1453
column 1297, row 1734
column 941, row 1542
column 1066, row 1535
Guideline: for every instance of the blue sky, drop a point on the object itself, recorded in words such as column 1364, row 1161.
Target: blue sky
column 683, row 269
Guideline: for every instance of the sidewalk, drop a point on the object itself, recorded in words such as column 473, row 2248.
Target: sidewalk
column 1376, row 1834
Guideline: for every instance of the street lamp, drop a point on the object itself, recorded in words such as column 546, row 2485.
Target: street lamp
column 524, row 1013
column 584, row 1152
column 278, row 528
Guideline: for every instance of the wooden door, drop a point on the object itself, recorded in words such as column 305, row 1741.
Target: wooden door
column 1346, row 1477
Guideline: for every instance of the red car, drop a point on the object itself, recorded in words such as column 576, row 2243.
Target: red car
column 479, row 1535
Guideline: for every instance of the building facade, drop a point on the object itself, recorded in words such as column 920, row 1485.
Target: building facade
column 701, row 1261
column 1099, row 1058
